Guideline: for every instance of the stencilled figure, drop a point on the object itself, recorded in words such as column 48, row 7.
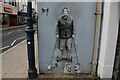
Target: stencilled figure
column 65, row 34
column 65, row 39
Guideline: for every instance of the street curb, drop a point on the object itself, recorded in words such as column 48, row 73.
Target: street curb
column 13, row 47
column 13, row 27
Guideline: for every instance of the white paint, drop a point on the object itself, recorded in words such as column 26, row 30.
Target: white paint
column 108, row 40
column 9, row 32
column 6, row 34
column 13, row 42
column 20, row 38
column 19, row 30
column 29, row 43
column 5, row 47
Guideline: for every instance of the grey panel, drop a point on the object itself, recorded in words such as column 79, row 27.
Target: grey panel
column 84, row 20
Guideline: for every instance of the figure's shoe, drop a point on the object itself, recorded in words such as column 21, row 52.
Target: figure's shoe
column 77, row 68
column 58, row 59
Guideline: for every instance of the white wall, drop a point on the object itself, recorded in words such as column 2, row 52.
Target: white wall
column 34, row 5
column 21, row 3
column 108, row 40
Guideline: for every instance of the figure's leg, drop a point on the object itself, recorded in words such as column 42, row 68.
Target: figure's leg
column 69, row 46
column 61, row 48
column 60, row 45
column 65, row 48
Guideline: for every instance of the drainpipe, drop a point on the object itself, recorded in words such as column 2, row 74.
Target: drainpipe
column 97, row 13
column 101, row 22
column 32, row 71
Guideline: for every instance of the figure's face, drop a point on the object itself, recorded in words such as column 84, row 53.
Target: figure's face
column 65, row 12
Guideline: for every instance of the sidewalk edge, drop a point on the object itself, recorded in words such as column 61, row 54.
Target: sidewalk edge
column 13, row 47
column 13, row 27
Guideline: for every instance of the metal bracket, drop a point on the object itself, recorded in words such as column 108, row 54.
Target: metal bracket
column 92, row 62
column 98, row 13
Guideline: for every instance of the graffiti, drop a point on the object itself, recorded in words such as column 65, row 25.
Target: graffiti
column 64, row 41
column 45, row 11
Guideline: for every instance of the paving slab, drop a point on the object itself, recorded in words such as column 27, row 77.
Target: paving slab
column 15, row 61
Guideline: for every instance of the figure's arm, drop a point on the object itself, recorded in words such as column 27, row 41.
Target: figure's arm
column 57, row 29
column 73, row 30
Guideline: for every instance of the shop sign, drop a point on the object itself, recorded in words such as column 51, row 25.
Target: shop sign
column 6, row 9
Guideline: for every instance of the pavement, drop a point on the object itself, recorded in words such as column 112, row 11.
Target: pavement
column 14, row 61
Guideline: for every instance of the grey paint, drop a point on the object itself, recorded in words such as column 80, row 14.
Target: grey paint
column 84, row 20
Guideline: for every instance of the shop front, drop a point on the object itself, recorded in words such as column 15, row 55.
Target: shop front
column 5, row 21
column 13, row 20
column 9, row 16
column 1, row 18
column 22, row 18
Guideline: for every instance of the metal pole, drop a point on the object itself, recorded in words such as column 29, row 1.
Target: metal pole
column 32, row 71
column 94, row 41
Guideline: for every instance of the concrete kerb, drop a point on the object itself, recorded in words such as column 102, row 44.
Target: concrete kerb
column 13, row 27
column 16, row 45
column 13, row 47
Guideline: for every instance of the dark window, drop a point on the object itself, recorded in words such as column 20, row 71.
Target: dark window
column 15, row 4
column 6, row 1
column 12, row 3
